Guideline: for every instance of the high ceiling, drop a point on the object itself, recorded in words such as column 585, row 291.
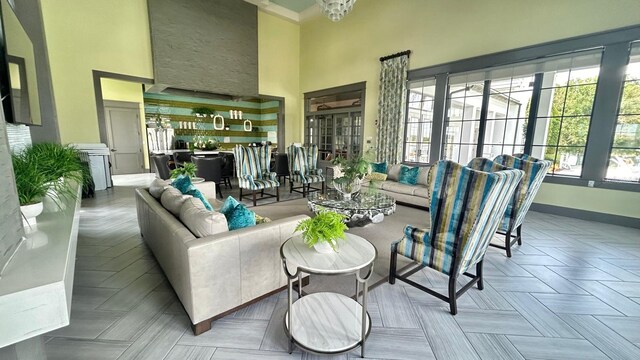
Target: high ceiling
column 295, row 5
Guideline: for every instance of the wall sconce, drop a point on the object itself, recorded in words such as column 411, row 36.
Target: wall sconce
column 247, row 125
column 219, row 125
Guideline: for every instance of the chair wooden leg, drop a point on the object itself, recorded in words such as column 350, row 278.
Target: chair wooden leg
column 479, row 275
column 240, row 194
column 323, row 187
column 392, row 267
column 304, row 190
column 262, row 193
column 453, row 307
column 277, row 194
column 507, row 242
column 219, row 190
column 291, row 188
column 254, row 198
column 519, row 233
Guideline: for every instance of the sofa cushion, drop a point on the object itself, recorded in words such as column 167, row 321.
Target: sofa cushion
column 376, row 176
column 172, row 200
column 409, row 175
column 421, row 191
column 423, row 175
column 380, row 167
column 397, row 187
column 200, row 221
column 157, row 187
column 393, row 172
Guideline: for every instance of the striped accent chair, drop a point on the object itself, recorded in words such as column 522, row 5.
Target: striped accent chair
column 303, row 169
column 534, row 172
column 252, row 170
column 466, row 209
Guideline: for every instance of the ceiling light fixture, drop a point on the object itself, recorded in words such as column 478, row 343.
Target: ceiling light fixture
column 336, row 9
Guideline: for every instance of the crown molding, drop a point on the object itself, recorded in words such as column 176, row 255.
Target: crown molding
column 284, row 13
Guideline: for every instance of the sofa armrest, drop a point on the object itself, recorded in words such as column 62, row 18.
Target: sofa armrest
column 228, row 269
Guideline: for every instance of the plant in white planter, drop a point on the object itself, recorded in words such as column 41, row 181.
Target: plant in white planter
column 32, row 186
column 323, row 231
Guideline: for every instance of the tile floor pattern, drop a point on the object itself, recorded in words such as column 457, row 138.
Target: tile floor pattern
column 572, row 291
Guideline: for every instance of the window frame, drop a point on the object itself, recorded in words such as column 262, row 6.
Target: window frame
column 615, row 56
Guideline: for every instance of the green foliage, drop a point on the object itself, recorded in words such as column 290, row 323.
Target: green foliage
column 187, row 169
column 353, row 168
column 53, row 162
column 31, row 182
column 327, row 226
column 202, row 110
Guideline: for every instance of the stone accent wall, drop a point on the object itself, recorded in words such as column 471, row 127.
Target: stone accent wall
column 11, row 230
column 205, row 45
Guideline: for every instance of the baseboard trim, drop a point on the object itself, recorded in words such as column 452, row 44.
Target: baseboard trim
column 587, row 215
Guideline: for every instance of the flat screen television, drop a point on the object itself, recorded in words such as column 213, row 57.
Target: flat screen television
column 18, row 78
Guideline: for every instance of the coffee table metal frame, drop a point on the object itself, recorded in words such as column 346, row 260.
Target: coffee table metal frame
column 298, row 274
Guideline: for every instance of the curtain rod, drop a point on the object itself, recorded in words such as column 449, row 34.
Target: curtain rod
column 398, row 54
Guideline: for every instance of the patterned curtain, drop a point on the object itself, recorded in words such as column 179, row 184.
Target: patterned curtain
column 391, row 104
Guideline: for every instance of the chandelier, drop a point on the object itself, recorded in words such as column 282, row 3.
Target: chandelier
column 336, row 9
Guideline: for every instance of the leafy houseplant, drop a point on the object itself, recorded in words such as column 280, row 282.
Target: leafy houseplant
column 353, row 171
column 323, row 231
column 187, row 169
column 31, row 183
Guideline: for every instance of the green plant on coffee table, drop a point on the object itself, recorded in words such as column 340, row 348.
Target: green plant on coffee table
column 352, row 169
column 31, row 182
column 326, row 226
column 187, row 169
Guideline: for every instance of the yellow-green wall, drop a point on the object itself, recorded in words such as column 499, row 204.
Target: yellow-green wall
column 440, row 31
column 18, row 44
column 87, row 35
column 279, row 68
column 119, row 90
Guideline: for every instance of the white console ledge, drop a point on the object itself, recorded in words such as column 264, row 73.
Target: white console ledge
column 36, row 286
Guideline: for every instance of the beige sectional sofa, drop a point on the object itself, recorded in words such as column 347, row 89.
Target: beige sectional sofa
column 215, row 274
column 413, row 195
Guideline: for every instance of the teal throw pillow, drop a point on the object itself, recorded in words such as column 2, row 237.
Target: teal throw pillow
column 380, row 167
column 237, row 214
column 409, row 175
column 183, row 183
column 228, row 205
column 240, row 217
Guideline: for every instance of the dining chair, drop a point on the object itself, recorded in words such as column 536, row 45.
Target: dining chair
column 253, row 171
column 210, row 169
column 163, row 166
column 465, row 211
column 282, row 167
column 227, row 169
column 303, row 167
column 180, row 157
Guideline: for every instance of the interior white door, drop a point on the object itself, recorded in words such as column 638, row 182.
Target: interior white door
column 125, row 140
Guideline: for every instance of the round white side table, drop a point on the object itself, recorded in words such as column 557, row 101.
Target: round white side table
column 326, row 322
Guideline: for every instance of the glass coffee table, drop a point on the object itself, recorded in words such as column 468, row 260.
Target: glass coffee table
column 362, row 208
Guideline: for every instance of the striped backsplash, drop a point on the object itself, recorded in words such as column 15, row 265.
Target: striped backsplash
column 263, row 116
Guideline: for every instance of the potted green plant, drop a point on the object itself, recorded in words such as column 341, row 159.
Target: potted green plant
column 351, row 173
column 187, row 169
column 32, row 186
column 323, row 231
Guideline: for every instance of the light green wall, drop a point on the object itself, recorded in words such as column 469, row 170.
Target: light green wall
column 440, row 31
column 279, row 68
column 119, row 90
column 86, row 35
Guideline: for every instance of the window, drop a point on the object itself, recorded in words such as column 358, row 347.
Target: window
column 464, row 103
column 624, row 159
column 333, row 121
column 507, row 115
column 419, row 121
column 564, row 114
